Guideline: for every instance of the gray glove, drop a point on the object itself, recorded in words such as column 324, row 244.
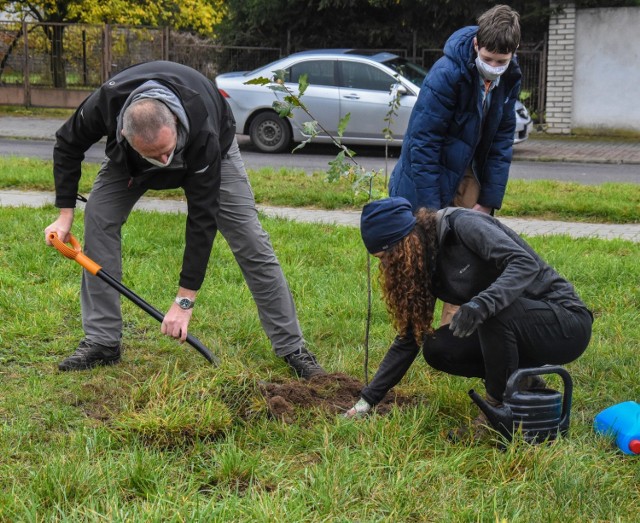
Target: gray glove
column 359, row 410
column 467, row 319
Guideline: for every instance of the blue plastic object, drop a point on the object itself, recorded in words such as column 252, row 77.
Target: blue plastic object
column 621, row 421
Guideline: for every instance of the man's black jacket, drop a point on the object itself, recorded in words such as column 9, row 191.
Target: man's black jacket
column 211, row 132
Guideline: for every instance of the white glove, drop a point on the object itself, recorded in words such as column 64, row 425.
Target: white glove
column 359, row 410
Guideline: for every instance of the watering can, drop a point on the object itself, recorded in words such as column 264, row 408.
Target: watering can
column 540, row 413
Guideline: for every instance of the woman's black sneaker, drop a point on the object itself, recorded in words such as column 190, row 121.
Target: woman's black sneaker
column 89, row 354
column 304, row 363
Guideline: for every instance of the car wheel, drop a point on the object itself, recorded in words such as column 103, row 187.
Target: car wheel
column 270, row 133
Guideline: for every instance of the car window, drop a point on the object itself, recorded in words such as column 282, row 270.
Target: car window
column 319, row 72
column 412, row 72
column 364, row 76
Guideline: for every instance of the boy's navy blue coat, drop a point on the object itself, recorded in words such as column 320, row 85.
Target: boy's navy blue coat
column 444, row 133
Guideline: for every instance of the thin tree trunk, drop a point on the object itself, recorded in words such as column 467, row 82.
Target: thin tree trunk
column 58, row 74
column 14, row 43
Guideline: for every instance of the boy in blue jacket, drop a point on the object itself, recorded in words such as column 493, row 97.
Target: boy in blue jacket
column 458, row 146
column 463, row 123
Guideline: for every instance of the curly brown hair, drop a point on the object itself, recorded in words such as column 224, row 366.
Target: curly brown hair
column 406, row 273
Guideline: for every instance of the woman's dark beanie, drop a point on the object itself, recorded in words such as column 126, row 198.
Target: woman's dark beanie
column 385, row 222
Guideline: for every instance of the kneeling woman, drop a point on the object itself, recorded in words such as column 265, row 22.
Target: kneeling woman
column 515, row 310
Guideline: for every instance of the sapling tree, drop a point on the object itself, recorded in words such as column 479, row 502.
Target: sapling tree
column 344, row 165
column 394, row 106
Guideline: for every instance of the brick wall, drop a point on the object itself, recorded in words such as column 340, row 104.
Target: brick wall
column 560, row 70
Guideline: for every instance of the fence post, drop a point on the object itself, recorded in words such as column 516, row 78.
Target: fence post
column 288, row 50
column 415, row 47
column 106, row 53
column 84, row 57
column 26, row 78
column 542, row 81
column 165, row 42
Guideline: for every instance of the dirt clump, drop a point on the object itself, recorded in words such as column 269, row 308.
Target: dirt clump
column 332, row 393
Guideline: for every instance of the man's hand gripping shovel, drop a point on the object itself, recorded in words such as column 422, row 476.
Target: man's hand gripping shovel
column 75, row 253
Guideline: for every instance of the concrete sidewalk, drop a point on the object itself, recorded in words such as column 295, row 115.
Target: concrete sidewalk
column 28, row 127
column 557, row 149
column 630, row 232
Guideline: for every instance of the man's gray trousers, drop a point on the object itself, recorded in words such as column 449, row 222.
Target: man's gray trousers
column 109, row 205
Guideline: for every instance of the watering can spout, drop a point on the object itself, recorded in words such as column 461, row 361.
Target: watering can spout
column 501, row 418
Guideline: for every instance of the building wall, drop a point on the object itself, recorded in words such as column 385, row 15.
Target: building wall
column 607, row 68
column 593, row 69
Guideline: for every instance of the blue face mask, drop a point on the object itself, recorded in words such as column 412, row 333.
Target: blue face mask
column 489, row 72
column 158, row 163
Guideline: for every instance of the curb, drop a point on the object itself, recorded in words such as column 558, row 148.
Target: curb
column 567, row 159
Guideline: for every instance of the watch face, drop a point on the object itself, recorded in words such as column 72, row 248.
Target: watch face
column 185, row 303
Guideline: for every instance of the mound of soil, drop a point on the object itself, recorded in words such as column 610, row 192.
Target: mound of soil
column 332, row 393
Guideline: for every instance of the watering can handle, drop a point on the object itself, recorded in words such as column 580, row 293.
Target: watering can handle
column 512, row 384
column 74, row 252
column 568, row 394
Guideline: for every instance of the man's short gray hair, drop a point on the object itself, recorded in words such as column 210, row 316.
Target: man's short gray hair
column 144, row 118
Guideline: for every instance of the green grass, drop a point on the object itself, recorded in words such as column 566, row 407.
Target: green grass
column 568, row 201
column 605, row 203
column 36, row 112
column 165, row 437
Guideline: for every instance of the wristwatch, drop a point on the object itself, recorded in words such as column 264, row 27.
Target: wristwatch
column 185, row 303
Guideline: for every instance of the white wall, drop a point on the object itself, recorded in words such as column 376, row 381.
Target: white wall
column 606, row 88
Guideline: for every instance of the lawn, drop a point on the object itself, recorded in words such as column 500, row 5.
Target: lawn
column 165, row 437
column 543, row 199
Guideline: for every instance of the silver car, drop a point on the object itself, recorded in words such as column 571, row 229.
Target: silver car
column 340, row 82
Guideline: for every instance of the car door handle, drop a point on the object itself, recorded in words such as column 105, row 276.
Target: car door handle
column 352, row 96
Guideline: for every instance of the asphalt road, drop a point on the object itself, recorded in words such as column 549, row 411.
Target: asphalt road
column 315, row 157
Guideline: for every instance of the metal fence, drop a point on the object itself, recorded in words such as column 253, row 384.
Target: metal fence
column 82, row 56
column 533, row 63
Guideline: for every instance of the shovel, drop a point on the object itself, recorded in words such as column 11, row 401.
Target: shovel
column 76, row 254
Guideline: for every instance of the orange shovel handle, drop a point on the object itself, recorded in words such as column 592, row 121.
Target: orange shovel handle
column 74, row 253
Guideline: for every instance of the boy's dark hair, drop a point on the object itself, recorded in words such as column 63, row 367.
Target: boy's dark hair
column 499, row 30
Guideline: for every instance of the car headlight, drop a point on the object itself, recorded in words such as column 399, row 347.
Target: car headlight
column 522, row 112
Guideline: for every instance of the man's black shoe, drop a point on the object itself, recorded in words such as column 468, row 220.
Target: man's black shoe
column 304, row 363
column 89, row 354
